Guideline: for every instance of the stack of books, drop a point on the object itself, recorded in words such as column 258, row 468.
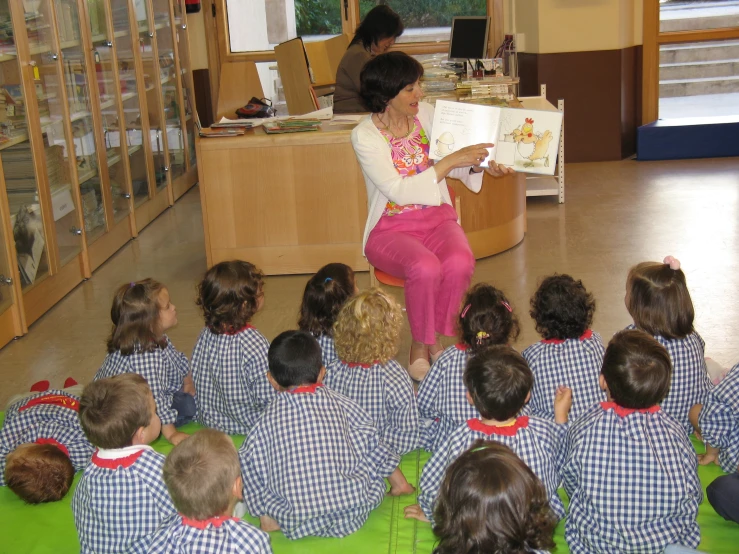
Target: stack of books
column 291, row 125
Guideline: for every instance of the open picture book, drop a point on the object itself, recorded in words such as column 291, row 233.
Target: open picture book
column 526, row 140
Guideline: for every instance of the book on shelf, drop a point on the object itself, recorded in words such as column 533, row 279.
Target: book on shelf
column 527, row 140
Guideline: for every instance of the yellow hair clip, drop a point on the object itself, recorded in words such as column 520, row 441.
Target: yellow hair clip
column 481, row 336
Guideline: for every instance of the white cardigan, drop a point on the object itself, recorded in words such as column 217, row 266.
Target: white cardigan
column 385, row 183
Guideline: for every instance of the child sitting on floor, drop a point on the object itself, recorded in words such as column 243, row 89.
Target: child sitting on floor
column 717, row 422
column 628, row 467
column 229, row 361
column 142, row 312
column 121, row 498
column 486, row 319
column 499, row 384
column 490, row 501
column 325, row 293
column 367, row 335
column 570, row 353
column 658, row 300
column 203, row 477
column 314, row 463
column 42, row 445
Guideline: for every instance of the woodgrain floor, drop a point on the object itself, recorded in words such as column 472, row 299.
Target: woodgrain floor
column 616, row 214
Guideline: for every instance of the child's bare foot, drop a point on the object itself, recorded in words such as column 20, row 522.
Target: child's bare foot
column 268, row 524
column 414, row 511
column 710, row 456
column 399, row 485
column 400, row 490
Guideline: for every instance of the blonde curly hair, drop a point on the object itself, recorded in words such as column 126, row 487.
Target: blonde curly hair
column 367, row 329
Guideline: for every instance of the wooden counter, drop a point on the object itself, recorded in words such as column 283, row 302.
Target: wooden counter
column 292, row 203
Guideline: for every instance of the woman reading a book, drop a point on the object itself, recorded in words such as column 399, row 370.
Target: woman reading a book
column 376, row 33
column 412, row 230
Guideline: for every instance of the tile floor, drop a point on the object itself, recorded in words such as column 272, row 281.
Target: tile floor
column 616, row 214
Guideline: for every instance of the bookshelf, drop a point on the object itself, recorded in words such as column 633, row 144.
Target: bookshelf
column 96, row 139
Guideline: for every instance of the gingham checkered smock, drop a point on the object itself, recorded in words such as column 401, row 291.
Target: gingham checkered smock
column 315, row 463
column 690, row 382
column 632, row 479
column 45, row 417
column 224, row 535
column 160, row 367
column 574, row 363
column 535, row 441
column 442, row 398
column 719, row 420
column 385, row 392
column 230, row 376
column 120, row 500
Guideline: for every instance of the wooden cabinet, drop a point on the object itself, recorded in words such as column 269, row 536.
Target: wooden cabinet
column 96, row 121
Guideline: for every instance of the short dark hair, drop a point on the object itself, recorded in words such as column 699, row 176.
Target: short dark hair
column 491, row 501
column 490, row 313
column 228, row 295
column 498, row 380
column 135, row 316
column 637, row 369
column 113, row 409
column 325, row 293
column 200, row 473
column 39, row 473
column 384, row 76
column 379, row 23
column 562, row 308
column 658, row 300
column 294, row 359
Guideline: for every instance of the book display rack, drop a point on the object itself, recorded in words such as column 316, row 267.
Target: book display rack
column 96, row 139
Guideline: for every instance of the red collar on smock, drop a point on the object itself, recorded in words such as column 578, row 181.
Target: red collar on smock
column 461, row 346
column 586, row 335
column 623, row 412
column 119, row 457
column 54, row 399
column 56, row 443
column 244, row 328
column 203, row 523
column 305, row 388
column 503, row 430
column 356, row 364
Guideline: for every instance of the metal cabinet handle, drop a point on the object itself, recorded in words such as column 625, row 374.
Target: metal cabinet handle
column 184, row 25
column 166, row 168
column 151, row 35
column 75, row 231
column 108, row 43
column 125, row 195
column 54, row 56
column 5, row 280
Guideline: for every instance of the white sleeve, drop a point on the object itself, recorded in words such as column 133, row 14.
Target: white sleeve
column 374, row 157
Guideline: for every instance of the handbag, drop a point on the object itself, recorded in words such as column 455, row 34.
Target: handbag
column 257, row 108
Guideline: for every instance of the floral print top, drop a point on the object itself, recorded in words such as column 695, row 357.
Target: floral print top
column 410, row 156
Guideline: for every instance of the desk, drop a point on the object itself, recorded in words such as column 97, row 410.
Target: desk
column 295, row 202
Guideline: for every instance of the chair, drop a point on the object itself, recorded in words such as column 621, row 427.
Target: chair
column 238, row 83
column 292, row 63
column 378, row 276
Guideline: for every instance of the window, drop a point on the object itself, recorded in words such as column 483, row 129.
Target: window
column 427, row 20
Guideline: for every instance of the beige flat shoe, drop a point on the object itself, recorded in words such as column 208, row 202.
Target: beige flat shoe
column 418, row 369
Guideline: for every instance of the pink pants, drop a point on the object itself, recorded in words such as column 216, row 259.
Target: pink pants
column 429, row 250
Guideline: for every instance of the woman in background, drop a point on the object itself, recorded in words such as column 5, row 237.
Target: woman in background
column 377, row 32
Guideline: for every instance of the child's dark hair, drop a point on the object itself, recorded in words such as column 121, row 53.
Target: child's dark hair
column 113, row 409
column 39, row 473
column 491, row 502
column 325, row 294
column 486, row 318
column 135, row 315
column 562, row 308
column 658, row 300
column 200, row 473
column 229, row 294
column 294, row 359
column 498, row 380
column 637, row 369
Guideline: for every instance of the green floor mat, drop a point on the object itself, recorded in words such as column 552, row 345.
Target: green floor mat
column 49, row 528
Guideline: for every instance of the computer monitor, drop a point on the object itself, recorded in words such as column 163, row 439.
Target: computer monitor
column 469, row 39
